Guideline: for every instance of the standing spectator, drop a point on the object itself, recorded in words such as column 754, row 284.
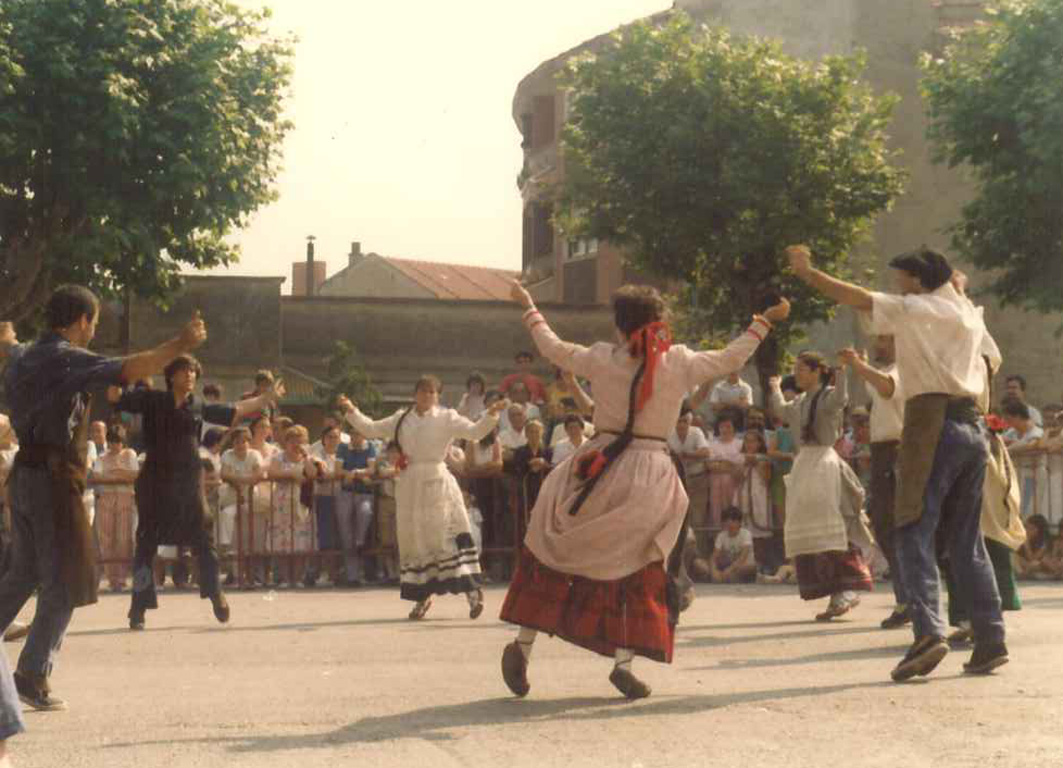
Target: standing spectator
column 263, row 383
column 732, row 395
column 386, row 470
column 725, row 454
column 733, row 561
column 532, row 383
column 519, row 395
column 691, row 446
column 242, row 469
column 531, row 463
column 261, row 438
column 326, row 492
column 472, row 403
column 1024, row 444
column 212, row 395
column 1016, row 390
column 317, row 450
column 290, row 531
column 354, row 505
column 114, row 474
column 483, row 475
column 511, row 435
column 570, row 407
column 752, row 498
column 781, row 450
column 575, row 436
column 98, row 436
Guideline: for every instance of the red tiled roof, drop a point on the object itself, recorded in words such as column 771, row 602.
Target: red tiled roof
column 457, row 281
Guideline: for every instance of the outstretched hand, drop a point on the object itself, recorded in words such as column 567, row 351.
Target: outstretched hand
column 519, row 294
column 775, row 382
column 498, row 406
column 279, row 391
column 194, row 333
column 345, row 404
column 779, row 312
column 848, row 356
column 114, row 394
column 800, row 259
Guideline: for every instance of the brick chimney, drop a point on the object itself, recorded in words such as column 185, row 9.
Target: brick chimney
column 355, row 256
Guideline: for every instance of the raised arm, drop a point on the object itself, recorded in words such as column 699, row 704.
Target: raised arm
column 464, row 429
column 565, row 355
column 382, row 430
column 255, row 404
column 143, row 364
column 838, row 291
column 583, row 400
column 715, row 364
column 883, row 383
column 837, row 397
column 787, row 411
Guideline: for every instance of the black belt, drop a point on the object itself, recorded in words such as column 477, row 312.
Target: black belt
column 636, row 437
column 963, row 410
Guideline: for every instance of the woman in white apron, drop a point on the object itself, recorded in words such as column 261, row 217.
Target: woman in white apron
column 824, row 527
column 437, row 554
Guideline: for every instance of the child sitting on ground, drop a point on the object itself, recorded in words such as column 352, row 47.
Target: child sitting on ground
column 732, row 557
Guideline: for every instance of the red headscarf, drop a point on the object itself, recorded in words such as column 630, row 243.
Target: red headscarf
column 651, row 340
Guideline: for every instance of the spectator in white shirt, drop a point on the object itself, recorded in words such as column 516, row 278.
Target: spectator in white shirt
column 732, row 557
column 691, row 446
column 732, row 394
column 1024, row 441
column 560, row 433
column 575, row 436
column 1016, row 390
column 472, row 403
column 512, row 435
column 518, row 393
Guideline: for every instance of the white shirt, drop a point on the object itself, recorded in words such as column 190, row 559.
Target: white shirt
column 250, row 466
column 732, row 394
column 530, row 412
column 887, row 416
column 563, row 450
column 696, row 441
column 940, row 338
column 511, row 440
column 733, row 545
column 559, row 434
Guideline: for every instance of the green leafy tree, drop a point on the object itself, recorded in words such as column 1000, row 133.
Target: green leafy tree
column 134, row 136
column 349, row 377
column 995, row 103
column 703, row 155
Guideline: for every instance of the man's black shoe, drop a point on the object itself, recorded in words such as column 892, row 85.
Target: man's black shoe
column 136, row 621
column 35, row 693
column 221, row 608
column 985, row 658
column 925, row 654
column 896, row 619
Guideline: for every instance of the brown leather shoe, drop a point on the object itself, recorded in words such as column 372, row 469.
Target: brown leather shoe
column 221, row 607
column 16, row 631
column 628, row 684
column 515, row 669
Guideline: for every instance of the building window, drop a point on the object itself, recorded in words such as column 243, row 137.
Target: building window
column 582, row 248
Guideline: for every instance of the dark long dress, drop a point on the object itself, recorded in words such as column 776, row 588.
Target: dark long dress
column 171, row 506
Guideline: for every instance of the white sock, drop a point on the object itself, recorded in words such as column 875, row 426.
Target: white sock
column 525, row 639
column 473, row 598
column 623, row 658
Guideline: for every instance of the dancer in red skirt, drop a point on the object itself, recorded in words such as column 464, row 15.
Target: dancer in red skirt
column 592, row 568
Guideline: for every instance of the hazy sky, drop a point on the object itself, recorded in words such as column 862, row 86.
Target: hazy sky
column 404, row 138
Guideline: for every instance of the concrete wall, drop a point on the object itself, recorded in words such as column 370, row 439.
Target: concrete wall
column 401, row 339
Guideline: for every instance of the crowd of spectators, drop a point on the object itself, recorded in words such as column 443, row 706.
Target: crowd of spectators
column 293, row 508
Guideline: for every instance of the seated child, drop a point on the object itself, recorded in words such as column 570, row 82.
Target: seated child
column 732, row 557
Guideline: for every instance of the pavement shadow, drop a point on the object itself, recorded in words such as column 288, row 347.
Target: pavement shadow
column 816, row 658
column 817, row 631
column 436, row 723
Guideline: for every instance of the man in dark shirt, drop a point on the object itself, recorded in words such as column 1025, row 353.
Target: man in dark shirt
column 171, row 505
column 48, row 384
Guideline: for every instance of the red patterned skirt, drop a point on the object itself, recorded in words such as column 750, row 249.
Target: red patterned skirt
column 600, row 616
column 826, row 573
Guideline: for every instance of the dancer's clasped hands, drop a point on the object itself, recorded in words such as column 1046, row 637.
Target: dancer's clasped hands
column 520, row 295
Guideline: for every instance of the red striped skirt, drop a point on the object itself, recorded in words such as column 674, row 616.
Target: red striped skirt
column 600, row 616
column 826, row 573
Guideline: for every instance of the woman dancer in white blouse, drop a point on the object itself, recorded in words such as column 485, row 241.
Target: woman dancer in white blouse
column 436, row 551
